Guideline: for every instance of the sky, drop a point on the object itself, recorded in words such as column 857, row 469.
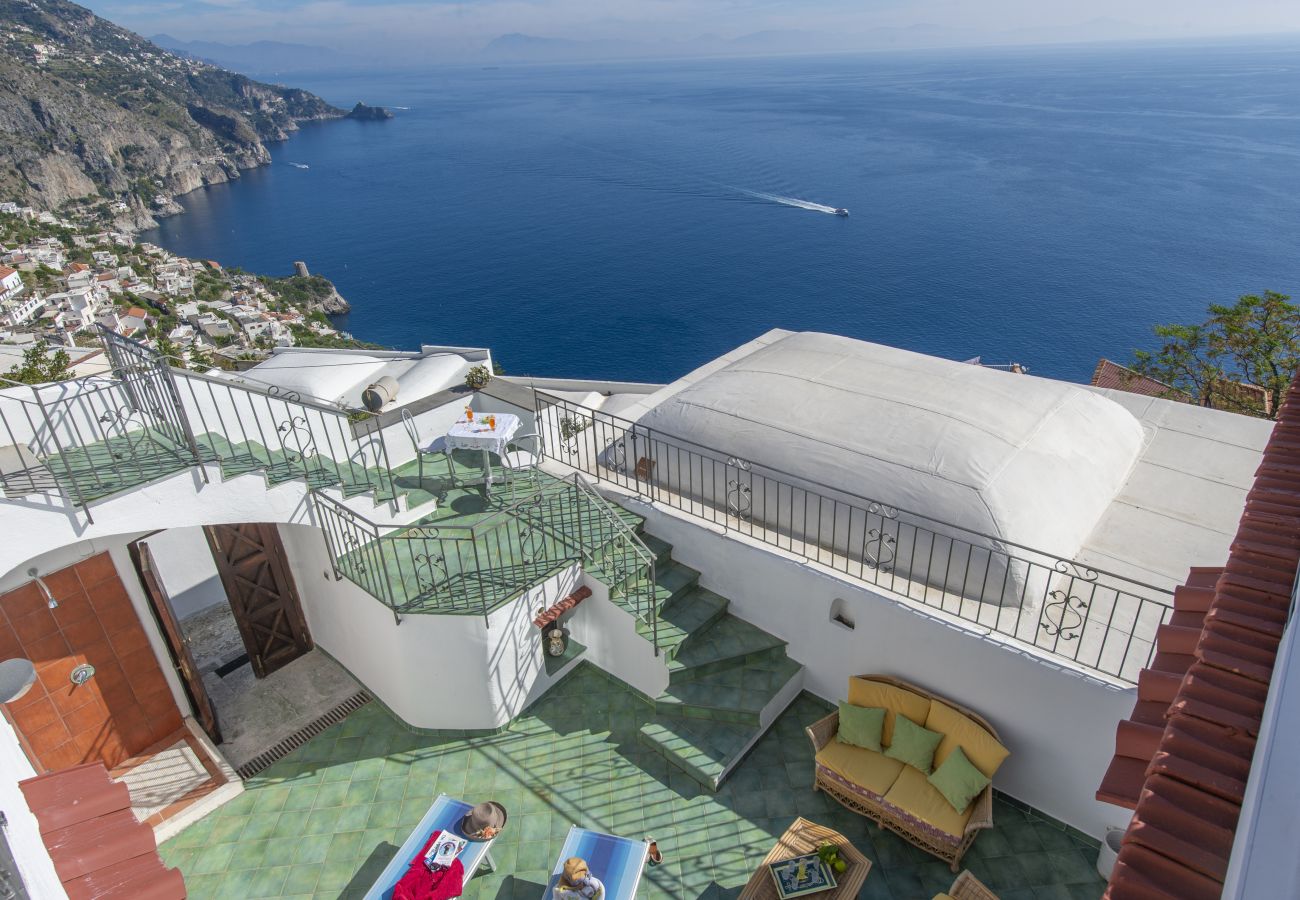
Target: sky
column 445, row 30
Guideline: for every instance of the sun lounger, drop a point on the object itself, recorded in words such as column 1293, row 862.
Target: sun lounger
column 616, row 861
column 444, row 815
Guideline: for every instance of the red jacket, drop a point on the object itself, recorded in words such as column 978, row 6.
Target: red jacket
column 420, row 884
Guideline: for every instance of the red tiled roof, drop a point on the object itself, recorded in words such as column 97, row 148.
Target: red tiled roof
column 1121, row 378
column 5, row 271
column 1183, row 759
column 98, row 848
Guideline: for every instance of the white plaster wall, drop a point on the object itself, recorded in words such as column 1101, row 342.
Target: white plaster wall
column 187, row 571
column 490, row 672
column 609, row 632
column 1058, row 724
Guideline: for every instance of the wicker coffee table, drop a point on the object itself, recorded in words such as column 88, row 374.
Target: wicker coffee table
column 805, row 837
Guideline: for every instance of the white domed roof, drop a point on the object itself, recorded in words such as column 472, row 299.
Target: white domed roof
column 1020, row 458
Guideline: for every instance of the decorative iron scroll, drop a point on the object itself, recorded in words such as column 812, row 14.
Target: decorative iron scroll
column 616, row 456
column 883, row 510
column 350, row 545
column 1075, row 570
column 296, row 429
column 882, row 559
column 570, row 428
column 740, row 500
column 428, row 566
column 1062, row 617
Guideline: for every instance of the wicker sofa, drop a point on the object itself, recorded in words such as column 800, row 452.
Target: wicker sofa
column 897, row 796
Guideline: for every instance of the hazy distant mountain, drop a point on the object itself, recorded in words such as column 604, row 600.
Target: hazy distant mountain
column 1083, row 32
column 259, row 57
column 531, row 48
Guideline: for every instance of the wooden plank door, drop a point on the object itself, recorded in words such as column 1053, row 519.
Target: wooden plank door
column 255, row 572
column 180, row 645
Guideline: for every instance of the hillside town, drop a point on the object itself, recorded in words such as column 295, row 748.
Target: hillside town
column 60, row 282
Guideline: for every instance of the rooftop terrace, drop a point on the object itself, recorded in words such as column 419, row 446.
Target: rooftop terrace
column 325, row 820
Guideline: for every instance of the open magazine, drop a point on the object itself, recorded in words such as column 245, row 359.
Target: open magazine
column 444, row 851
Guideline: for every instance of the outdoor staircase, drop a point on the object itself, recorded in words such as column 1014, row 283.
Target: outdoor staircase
column 123, row 463
column 727, row 679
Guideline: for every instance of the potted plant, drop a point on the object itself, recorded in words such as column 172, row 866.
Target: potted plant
column 478, row 377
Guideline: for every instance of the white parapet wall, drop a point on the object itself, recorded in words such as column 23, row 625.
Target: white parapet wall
column 433, row 671
column 1059, row 723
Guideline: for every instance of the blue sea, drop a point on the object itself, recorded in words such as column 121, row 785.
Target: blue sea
column 632, row 221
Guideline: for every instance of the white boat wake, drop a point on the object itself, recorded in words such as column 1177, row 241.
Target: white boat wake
column 793, row 201
column 300, row 165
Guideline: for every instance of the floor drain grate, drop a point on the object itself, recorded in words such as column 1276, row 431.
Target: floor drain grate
column 267, row 758
column 237, row 663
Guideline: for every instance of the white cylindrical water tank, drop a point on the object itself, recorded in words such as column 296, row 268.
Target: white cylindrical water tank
column 380, row 394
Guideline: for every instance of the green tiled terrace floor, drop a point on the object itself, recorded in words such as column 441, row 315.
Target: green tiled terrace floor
column 501, row 560
column 325, row 820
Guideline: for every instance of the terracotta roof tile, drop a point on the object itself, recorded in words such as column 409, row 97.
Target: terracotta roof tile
column 1188, row 800
column 1121, row 378
column 98, row 847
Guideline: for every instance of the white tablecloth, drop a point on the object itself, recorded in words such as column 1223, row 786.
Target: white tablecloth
column 477, row 436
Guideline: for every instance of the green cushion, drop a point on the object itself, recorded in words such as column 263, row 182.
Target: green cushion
column 958, row 780
column 861, row 725
column 913, row 744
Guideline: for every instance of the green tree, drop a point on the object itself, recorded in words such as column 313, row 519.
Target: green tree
column 39, row 366
column 1254, row 342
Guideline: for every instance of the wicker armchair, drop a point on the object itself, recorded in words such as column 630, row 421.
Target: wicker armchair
column 968, row 887
column 823, row 732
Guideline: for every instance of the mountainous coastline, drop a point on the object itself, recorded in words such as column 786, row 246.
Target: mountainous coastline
column 93, row 115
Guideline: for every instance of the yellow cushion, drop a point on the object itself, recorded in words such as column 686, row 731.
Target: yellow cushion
column 865, row 768
column 894, row 700
column 913, row 794
column 942, row 897
column 981, row 748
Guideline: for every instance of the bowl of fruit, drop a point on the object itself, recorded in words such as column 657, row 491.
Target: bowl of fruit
column 829, row 854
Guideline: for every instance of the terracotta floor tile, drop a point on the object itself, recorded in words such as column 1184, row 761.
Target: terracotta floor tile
column 35, row 716
column 34, row 626
column 73, row 608
column 110, row 600
column 22, row 601
column 127, row 641
column 47, row 650
column 97, row 569
column 86, row 635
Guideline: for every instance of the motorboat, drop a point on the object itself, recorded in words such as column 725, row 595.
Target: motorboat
column 842, row 213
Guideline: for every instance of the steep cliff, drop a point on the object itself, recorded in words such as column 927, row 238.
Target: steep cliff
column 89, row 110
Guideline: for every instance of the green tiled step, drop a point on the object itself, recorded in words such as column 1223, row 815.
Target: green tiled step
column 689, row 613
column 317, row 471
column 720, row 645
column 671, row 581
column 736, row 694
column 662, row 550
column 704, row 750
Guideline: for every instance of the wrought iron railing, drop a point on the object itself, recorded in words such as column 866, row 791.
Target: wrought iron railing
column 92, row 437
column 1099, row 620
column 445, row 567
